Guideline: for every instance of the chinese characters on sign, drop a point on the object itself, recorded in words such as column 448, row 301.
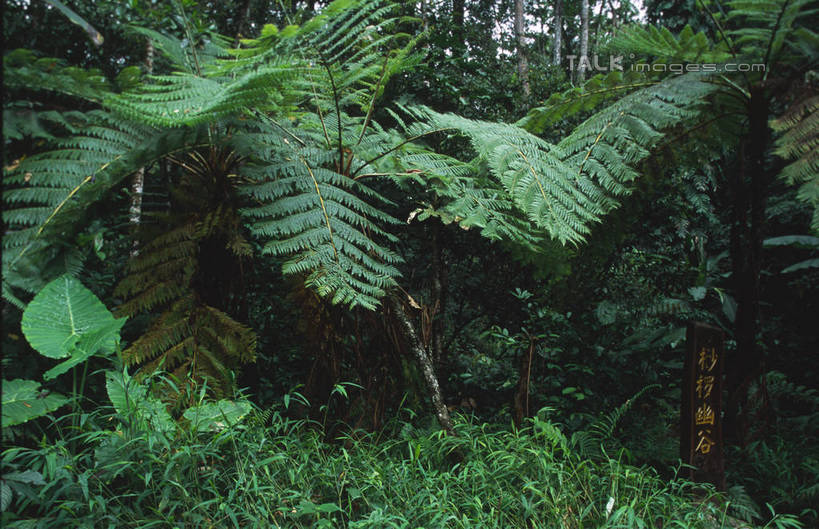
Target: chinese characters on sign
column 701, row 442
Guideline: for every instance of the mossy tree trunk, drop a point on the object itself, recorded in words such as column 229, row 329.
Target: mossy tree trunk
column 422, row 358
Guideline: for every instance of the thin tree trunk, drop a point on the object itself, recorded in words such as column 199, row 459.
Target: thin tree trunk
column 424, row 363
column 558, row 29
column 523, row 63
column 244, row 15
column 458, row 8
column 521, row 399
column 750, row 187
column 424, row 18
column 613, row 11
column 138, row 180
column 598, row 22
column 584, row 39
column 439, row 299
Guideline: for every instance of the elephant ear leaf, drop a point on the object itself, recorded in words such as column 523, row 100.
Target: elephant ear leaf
column 66, row 320
column 23, row 401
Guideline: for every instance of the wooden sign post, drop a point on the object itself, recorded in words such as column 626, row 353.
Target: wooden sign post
column 701, row 418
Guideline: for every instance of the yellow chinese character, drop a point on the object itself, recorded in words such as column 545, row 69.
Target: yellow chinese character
column 707, row 359
column 705, row 384
column 705, row 444
column 705, row 414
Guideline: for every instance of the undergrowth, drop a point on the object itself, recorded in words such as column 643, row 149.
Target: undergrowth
column 275, row 471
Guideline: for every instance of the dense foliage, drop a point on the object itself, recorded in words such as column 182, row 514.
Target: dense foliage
column 364, row 264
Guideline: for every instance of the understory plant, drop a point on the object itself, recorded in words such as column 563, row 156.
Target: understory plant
column 271, row 471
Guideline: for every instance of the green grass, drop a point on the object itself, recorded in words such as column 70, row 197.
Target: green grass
column 273, row 471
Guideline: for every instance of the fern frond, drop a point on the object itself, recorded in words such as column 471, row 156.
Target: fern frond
column 321, row 220
column 185, row 99
column 22, row 69
column 189, row 337
column 765, row 27
column 595, row 92
column 47, row 194
column 799, row 142
column 564, row 188
column 602, row 430
column 649, row 41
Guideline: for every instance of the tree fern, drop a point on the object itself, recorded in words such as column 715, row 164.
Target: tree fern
column 313, row 206
column 189, row 337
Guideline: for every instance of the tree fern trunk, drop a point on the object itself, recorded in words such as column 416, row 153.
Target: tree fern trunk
column 750, row 185
column 416, row 346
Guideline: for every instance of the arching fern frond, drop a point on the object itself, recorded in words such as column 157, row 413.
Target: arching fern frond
column 562, row 189
column 189, row 338
column 800, row 143
column 530, row 171
column 324, row 221
column 592, row 94
column 590, row 440
column 607, row 147
column 23, row 69
column 660, row 46
column 47, row 194
column 648, row 43
column 185, row 99
column 763, row 28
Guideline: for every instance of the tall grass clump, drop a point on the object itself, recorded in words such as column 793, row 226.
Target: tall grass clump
column 270, row 470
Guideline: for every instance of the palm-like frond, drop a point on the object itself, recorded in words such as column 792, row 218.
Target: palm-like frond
column 767, row 28
column 800, row 143
column 562, row 189
column 659, row 45
column 22, row 69
column 188, row 337
column 326, row 222
column 47, row 194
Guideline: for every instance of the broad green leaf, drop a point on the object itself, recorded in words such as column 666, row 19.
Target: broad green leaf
column 66, row 319
column 805, row 241
column 801, row 265
column 31, row 477
column 132, row 400
column 85, row 347
column 22, row 401
column 123, row 391
column 216, row 415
